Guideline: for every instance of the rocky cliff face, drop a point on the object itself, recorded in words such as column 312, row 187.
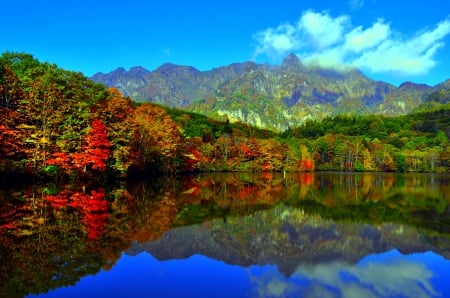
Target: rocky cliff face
column 275, row 97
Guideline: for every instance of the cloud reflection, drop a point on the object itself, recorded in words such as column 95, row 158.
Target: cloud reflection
column 271, row 283
column 392, row 278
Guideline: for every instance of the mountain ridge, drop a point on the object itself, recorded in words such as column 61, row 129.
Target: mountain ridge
column 287, row 243
column 275, row 97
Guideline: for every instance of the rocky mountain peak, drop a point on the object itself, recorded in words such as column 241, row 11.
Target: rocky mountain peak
column 291, row 62
column 268, row 96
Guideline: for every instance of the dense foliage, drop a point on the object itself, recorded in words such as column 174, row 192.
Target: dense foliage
column 58, row 123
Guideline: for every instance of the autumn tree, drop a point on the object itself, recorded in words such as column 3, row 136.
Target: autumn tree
column 271, row 155
column 41, row 107
column 10, row 94
column 306, row 162
column 118, row 113
column 156, row 139
column 96, row 149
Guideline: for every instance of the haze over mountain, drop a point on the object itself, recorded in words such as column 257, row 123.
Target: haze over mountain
column 269, row 96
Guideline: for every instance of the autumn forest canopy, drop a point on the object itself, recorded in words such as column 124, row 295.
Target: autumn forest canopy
column 56, row 123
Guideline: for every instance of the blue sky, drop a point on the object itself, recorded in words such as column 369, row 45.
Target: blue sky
column 394, row 41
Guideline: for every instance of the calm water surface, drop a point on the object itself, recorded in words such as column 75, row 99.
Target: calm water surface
column 230, row 235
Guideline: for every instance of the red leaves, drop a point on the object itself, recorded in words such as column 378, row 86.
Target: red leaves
column 192, row 158
column 61, row 159
column 98, row 146
column 96, row 151
column 9, row 143
column 266, row 167
column 306, row 165
column 248, row 149
column 98, row 136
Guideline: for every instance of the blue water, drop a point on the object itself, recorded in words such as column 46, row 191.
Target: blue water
column 390, row 274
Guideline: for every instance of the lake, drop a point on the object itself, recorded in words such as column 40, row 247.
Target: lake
column 230, row 235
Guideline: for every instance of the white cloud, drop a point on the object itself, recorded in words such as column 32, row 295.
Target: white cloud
column 279, row 40
column 329, row 58
column 409, row 57
column 323, row 30
column 320, row 39
column 359, row 40
column 272, row 284
column 399, row 278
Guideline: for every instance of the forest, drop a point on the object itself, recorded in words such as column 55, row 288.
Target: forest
column 58, row 124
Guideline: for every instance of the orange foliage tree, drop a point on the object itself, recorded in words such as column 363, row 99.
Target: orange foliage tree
column 118, row 113
column 156, row 139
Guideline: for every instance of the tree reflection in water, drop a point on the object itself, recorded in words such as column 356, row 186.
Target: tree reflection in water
column 53, row 235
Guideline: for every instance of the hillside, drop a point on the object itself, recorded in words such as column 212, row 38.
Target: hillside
column 276, row 97
column 56, row 123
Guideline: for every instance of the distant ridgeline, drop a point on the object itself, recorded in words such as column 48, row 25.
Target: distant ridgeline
column 267, row 96
column 56, row 123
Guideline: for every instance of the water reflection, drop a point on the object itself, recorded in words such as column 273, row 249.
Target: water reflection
column 311, row 227
column 386, row 275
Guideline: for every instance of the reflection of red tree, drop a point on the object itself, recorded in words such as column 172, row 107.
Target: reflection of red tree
column 247, row 191
column 94, row 210
column 306, row 179
column 192, row 189
column 61, row 200
column 8, row 217
column 157, row 219
column 267, row 176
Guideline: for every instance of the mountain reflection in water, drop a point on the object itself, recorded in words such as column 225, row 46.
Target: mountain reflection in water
column 305, row 234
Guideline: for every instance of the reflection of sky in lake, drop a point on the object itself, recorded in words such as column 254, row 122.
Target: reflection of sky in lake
column 386, row 275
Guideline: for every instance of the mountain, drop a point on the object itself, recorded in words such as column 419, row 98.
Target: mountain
column 268, row 96
column 171, row 85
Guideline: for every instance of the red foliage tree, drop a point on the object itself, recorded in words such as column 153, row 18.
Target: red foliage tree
column 96, row 150
column 306, row 165
column 98, row 146
column 61, row 159
column 191, row 159
column 9, row 143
